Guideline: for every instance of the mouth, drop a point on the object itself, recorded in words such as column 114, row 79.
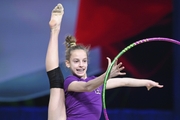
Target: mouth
column 80, row 71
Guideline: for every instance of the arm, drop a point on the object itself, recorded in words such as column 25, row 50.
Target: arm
column 56, row 108
column 131, row 82
column 80, row 86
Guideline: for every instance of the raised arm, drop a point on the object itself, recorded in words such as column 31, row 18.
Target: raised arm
column 79, row 86
column 131, row 82
column 56, row 108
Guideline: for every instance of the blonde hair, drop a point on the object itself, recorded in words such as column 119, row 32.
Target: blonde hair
column 70, row 43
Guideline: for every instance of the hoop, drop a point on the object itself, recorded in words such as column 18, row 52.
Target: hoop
column 120, row 54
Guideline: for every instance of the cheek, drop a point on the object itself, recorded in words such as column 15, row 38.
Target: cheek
column 86, row 65
column 73, row 65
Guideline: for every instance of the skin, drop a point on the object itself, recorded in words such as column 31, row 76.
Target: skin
column 56, row 108
column 78, row 64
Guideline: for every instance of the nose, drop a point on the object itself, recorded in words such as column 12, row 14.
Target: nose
column 80, row 63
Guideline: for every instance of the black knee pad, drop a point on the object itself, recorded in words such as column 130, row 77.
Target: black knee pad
column 56, row 78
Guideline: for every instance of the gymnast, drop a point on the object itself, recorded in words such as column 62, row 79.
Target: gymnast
column 82, row 92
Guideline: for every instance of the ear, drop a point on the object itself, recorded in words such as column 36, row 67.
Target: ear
column 67, row 64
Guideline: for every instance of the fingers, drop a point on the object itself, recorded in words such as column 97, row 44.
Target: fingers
column 122, row 73
column 120, row 68
column 119, row 65
column 159, row 86
column 156, row 84
column 116, row 68
column 109, row 61
column 148, row 88
column 115, row 63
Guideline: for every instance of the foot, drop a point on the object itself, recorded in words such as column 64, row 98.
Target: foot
column 56, row 17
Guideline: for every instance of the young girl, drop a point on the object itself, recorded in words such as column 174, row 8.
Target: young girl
column 82, row 92
column 56, row 109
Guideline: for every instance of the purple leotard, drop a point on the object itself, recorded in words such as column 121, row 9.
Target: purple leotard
column 82, row 105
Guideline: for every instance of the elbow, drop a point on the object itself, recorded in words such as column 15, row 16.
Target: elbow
column 89, row 89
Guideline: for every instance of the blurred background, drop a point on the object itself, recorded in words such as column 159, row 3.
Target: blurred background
column 108, row 27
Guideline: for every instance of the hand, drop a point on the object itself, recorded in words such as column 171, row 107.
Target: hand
column 152, row 84
column 116, row 69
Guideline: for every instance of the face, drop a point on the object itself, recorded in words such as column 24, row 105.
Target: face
column 78, row 63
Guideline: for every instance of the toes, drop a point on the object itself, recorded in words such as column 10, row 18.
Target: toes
column 58, row 9
column 56, row 16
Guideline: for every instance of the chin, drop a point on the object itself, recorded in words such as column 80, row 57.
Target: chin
column 79, row 75
column 82, row 76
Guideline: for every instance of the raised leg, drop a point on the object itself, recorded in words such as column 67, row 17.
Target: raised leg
column 52, row 59
column 56, row 108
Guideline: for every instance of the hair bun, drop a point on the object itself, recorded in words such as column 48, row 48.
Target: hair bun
column 70, row 41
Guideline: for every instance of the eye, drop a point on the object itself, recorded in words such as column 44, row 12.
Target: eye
column 75, row 60
column 85, row 60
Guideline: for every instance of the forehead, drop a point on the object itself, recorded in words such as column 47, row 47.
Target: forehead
column 78, row 54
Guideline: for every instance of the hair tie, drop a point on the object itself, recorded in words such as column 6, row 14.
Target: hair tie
column 72, row 44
